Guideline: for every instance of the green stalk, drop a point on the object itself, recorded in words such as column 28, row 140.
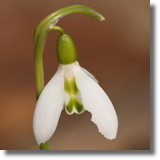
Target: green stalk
column 44, row 146
column 37, row 30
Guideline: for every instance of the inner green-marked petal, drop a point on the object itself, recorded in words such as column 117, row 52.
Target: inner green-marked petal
column 71, row 88
column 79, row 106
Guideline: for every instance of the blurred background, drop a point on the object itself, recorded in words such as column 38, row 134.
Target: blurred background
column 116, row 51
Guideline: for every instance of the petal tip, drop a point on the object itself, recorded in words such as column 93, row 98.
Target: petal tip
column 109, row 135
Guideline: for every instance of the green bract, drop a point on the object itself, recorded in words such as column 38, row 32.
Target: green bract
column 66, row 51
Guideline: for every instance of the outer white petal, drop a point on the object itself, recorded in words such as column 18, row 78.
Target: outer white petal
column 97, row 103
column 89, row 74
column 49, row 107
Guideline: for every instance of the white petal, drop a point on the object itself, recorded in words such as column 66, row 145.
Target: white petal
column 97, row 103
column 49, row 107
column 89, row 74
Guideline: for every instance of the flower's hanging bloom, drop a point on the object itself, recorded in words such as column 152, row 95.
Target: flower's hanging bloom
column 75, row 89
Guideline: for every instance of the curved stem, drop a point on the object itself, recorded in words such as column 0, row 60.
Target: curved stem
column 37, row 30
column 39, row 74
column 59, row 29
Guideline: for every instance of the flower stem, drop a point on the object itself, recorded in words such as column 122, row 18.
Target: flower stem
column 57, row 28
column 44, row 146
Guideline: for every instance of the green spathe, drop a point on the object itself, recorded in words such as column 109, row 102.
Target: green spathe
column 71, row 88
column 66, row 51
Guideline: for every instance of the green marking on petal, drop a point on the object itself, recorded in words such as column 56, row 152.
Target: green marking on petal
column 71, row 88
column 78, row 106
column 69, row 107
column 74, row 103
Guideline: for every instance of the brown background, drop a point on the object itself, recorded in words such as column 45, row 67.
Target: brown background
column 116, row 51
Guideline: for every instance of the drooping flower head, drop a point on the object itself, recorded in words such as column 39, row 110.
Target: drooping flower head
column 71, row 88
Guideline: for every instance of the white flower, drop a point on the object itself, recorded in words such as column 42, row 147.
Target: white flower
column 77, row 90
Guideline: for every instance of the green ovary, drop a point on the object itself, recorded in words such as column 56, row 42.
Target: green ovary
column 71, row 88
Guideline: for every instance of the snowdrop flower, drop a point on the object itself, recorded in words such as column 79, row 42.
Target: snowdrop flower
column 76, row 90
